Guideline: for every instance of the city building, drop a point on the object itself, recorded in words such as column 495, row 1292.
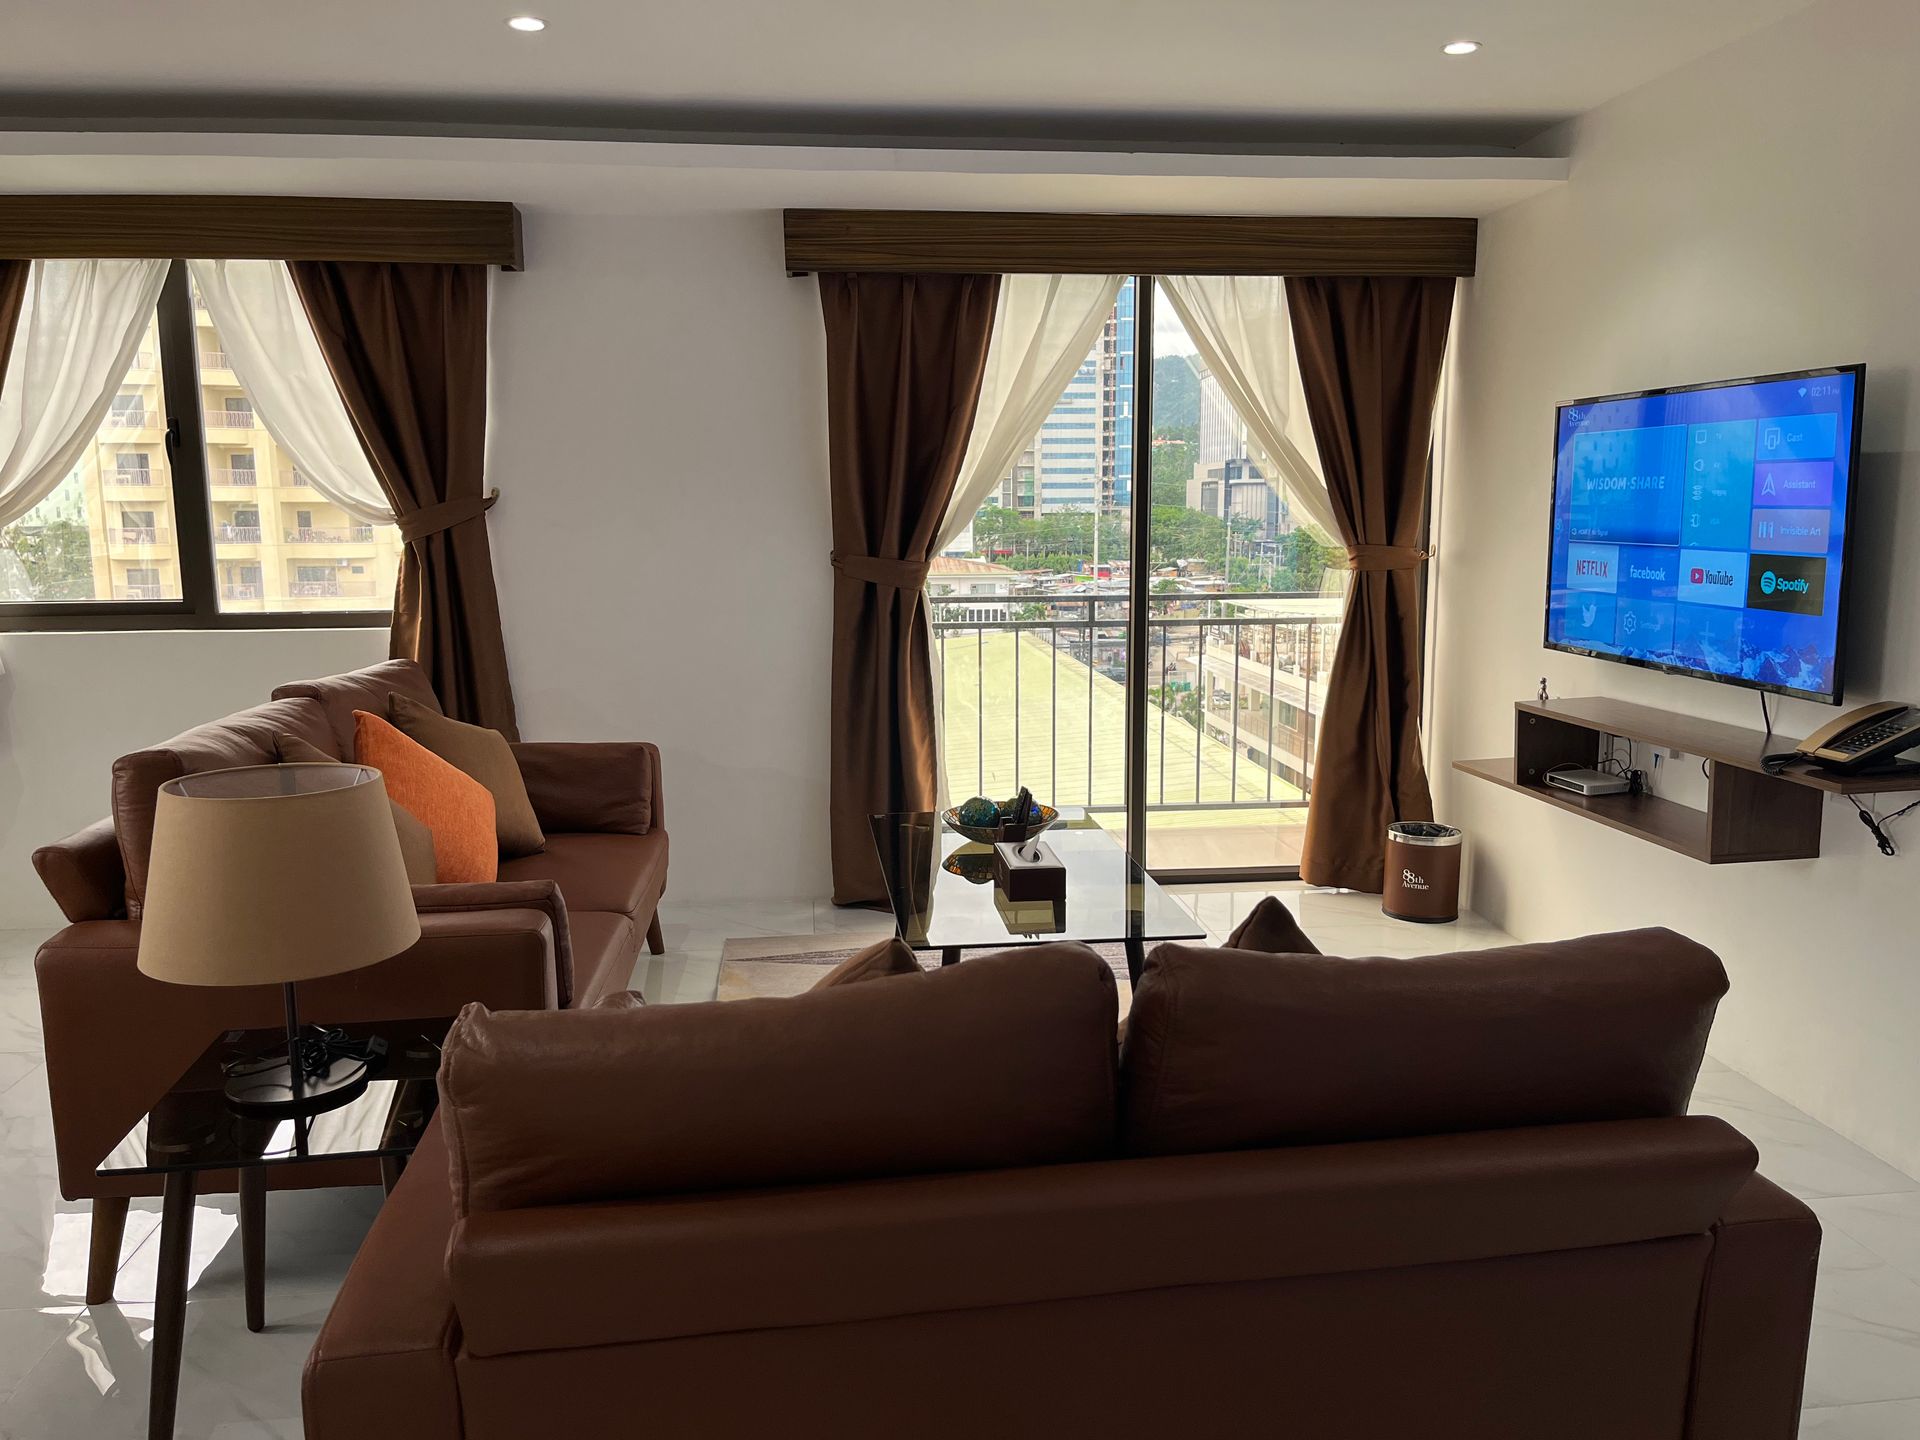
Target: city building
column 112, row 529
column 1227, row 483
column 1082, row 455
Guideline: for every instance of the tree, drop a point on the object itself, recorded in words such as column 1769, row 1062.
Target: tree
column 57, row 557
column 1172, row 468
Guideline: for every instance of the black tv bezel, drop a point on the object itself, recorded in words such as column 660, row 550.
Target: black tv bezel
column 1859, row 373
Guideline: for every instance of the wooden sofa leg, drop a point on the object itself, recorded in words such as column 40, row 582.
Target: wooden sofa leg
column 103, row 1260
column 656, row 942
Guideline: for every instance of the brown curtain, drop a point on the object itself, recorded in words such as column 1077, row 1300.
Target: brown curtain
column 905, row 354
column 13, row 293
column 407, row 345
column 1370, row 355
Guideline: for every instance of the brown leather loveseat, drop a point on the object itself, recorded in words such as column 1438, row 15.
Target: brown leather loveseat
column 562, row 927
column 1313, row 1197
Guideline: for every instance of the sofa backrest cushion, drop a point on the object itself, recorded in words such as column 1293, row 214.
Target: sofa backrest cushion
column 1003, row 1061
column 246, row 737
column 368, row 689
column 1230, row 1050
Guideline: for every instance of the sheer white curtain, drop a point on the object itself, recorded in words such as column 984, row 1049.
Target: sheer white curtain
column 80, row 323
column 1239, row 324
column 271, row 347
column 1043, row 326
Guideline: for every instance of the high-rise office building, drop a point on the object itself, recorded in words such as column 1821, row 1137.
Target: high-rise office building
column 1083, row 453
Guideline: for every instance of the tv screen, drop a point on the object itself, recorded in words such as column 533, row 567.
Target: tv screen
column 1703, row 529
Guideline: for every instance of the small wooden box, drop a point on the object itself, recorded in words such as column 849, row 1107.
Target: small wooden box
column 1019, row 877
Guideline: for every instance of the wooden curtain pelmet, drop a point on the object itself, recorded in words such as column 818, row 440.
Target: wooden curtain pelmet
column 259, row 227
column 980, row 242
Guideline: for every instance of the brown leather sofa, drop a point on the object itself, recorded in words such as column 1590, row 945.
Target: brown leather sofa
column 562, row 927
column 1311, row 1197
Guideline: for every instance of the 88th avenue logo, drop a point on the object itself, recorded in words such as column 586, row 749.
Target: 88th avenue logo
column 1412, row 881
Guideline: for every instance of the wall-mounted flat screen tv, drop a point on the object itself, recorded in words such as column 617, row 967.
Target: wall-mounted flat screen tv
column 1704, row 529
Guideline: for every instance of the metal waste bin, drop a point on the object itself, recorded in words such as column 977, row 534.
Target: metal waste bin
column 1423, row 872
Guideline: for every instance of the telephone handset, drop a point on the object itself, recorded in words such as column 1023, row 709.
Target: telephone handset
column 1862, row 737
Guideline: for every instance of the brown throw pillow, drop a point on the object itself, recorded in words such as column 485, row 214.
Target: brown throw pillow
column 416, row 841
column 876, row 962
column 1271, row 929
column 482, row 754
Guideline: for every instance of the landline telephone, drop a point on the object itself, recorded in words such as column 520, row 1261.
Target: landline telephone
column 1870, row 735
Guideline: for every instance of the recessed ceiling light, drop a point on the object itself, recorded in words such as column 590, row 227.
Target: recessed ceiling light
column 1460, row 47
column 527, row 24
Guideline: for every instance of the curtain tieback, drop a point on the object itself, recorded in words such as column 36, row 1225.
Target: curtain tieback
column 432, row 519
column 1386, row 557
column 892, row 574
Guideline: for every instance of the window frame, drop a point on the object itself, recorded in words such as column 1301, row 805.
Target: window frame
column 186, row 447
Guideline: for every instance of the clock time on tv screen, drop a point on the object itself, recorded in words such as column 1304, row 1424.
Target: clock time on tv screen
column 1704, row 529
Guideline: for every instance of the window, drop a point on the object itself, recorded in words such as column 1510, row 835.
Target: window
column 135, row 539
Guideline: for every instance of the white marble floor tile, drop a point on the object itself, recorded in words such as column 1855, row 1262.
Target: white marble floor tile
column 1866, row 1331
column 1888, row 1225
column 1888, row 1420
column 1796, row 1151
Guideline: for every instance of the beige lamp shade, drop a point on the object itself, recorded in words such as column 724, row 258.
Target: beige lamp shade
column 274, row 873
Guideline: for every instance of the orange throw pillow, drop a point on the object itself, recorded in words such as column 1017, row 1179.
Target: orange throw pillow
column 454, row 806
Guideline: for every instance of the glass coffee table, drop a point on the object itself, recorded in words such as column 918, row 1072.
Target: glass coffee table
column 940, row 885
column 191, row 1130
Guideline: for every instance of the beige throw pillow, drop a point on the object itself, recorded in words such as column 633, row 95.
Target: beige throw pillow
column 484, row 755
column 416, row 841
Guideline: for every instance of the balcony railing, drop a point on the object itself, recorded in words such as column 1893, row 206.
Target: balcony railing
column 215, row 360
column 240, row 592
column 236, row 534
column 232, row 475
column 325, row 589
column 139, row 592
column 137, row 534
column 142, row 476
column 224, row 419
column 312, row 535
column 300, row 480
column 131, row 419
column 1235, row 693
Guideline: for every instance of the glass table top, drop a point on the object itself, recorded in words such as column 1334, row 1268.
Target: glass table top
column 941, row 887
column 192, row 1127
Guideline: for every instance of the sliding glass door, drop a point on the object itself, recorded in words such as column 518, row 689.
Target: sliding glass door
column 1141, row 616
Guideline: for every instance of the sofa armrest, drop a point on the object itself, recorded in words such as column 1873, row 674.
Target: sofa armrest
column 601, row 786
column 84, row 873
column 115, row 1039
column 383, row 1361
column 1756, row 1311
column 541, row 895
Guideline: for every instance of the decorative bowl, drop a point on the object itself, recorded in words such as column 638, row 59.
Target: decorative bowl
column 987, row 834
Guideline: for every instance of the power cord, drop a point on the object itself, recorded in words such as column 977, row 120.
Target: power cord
column 1878, row 826
column 1765, row 717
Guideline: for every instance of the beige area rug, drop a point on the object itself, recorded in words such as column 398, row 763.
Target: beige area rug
column 774, row 965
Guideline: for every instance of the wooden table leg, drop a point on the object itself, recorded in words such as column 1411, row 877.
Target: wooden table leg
column 170, row 1303
column 103, row 1258
column 253, row 1244
column 392, row 1167
column 1136, row 960
column 950, row 955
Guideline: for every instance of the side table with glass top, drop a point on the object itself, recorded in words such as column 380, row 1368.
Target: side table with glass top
column 940, row 885
column 192, row 1129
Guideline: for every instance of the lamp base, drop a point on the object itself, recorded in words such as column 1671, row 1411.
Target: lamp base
column 269, row 1089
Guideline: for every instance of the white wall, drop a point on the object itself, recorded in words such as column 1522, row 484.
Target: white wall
column 71, row 703
column 1752, row 212
column 659, row 436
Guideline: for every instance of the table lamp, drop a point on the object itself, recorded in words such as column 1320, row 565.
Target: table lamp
column 273, row 874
